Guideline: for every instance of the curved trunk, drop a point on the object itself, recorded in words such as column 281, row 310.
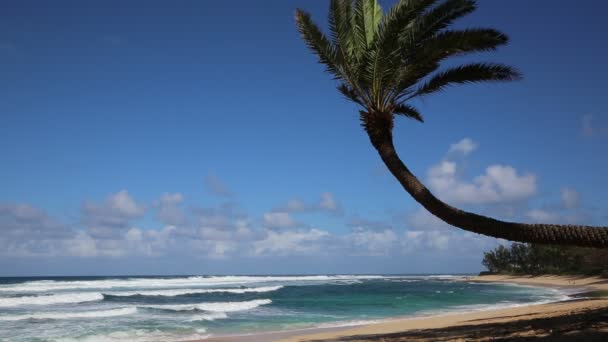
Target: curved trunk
column 379, row 128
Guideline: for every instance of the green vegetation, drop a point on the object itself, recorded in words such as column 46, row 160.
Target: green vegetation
column 546, row 259
column 383, row 61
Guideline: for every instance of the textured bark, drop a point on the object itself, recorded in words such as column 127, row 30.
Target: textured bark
column 379, row 127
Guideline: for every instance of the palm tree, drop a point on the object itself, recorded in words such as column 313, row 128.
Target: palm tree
column 384, row 60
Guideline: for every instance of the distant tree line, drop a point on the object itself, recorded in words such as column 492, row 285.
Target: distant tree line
column 536, row 259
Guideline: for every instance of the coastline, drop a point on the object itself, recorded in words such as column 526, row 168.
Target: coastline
column 411, row 328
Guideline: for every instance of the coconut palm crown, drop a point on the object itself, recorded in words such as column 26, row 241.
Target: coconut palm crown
column 384, row 60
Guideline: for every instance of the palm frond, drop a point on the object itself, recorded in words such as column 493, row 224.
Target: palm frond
column 385, row 59
column 442, row 16
column 341, row 26
column 451, row 43
column 319, row 44
column 441, row 46
column 388, row 60
column 368, row 14
column 350, row 94
column 408, row 111
column 400, row 18
column 469, row 73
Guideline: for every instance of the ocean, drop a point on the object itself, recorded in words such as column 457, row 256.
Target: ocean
column 100, row 309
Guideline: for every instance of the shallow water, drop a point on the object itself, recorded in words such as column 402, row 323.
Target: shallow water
column 181, row 308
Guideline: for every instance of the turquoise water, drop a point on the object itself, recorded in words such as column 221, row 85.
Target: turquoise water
column 104, row 309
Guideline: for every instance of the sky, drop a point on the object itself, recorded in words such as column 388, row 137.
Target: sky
column 201, row 137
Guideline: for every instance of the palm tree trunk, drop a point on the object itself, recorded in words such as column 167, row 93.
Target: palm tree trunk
column 379, row 128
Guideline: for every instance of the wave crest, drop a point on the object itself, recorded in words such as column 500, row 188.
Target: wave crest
column 69, row 298
column 182, row 292
column 212, row 316
column 213, row 306
column 72, row 315
column 152, row 283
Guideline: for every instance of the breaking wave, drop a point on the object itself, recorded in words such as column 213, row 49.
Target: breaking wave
column 72, row 315
column 51, row 299
column 151, row 283
column 182, row 292
column 212, row 316
column 213, row 307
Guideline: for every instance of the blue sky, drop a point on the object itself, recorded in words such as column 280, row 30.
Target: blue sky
column 202, row 137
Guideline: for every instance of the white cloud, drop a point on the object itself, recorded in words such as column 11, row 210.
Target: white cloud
column 414, row 241
column 218, row 249
column 82, row 245
column 23, row 221
column 289, row 242
column 499, row 183
column 122, row 203
column 544, row 216
column 168, row 209
column 464, row 147
column 570, row 198
column 371, row 242
column 112, row 217
column 278, row 220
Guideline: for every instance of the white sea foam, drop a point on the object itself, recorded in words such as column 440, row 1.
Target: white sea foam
column 139, row 335
column 342, row 324
column 213, row 306
column 197, row 281
column 181, row 292
column 67, row 298
column 72, row 315
column 212, row 316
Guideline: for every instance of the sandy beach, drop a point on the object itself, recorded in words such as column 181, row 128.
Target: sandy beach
column 584, row 318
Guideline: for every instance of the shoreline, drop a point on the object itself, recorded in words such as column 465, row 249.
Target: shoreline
column 455, row 319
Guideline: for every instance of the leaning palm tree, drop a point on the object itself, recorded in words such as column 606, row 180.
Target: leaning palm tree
column 382, row 61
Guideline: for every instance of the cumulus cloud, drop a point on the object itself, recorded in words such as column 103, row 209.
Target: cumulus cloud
column 278, row 220
column 429, row 240
column 500, row 190
column 169, row 211
column 499, row 183
column 372, row 242
column 291, row 242
column 113, row 227
column 217, row 232
column 29, row 232
column 464, row 147
column 26, row 221
column 112, row 217
column 133, row 242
